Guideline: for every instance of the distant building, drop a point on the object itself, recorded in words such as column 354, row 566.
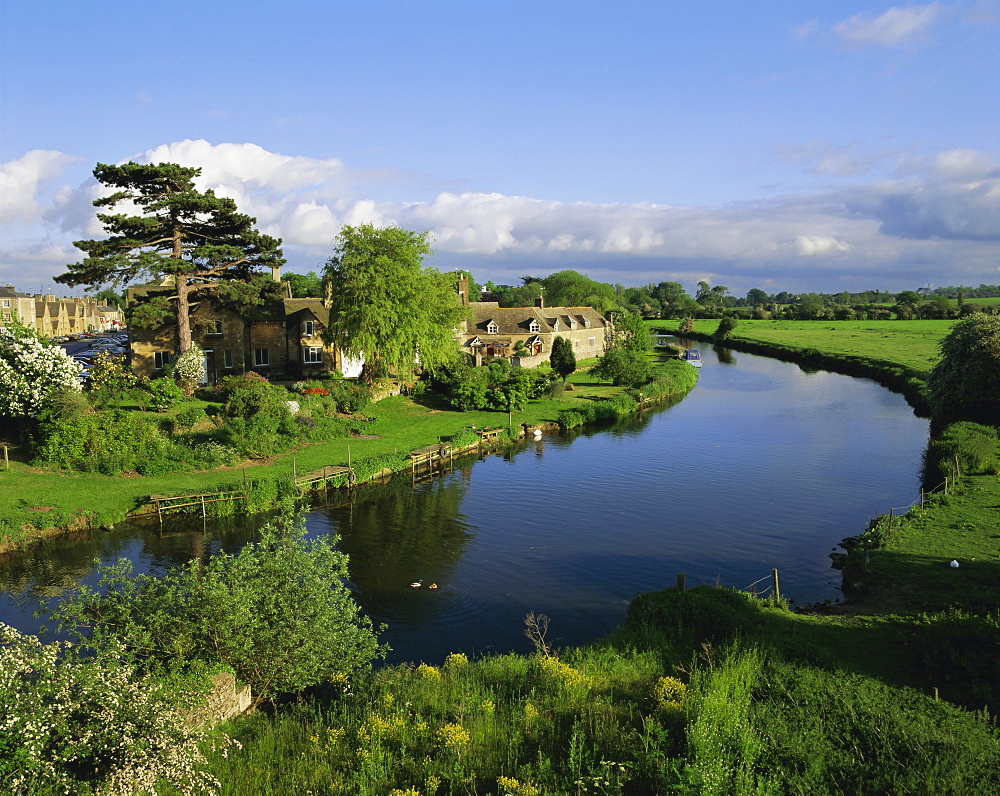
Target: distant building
column 524, row 335
column 53, row 317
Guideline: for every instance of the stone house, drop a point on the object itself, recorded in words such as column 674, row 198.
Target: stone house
column 524, row 334
column 282, row 338
column 16, row 305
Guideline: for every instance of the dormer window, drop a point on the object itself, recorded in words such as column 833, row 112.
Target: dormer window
column 215, row 327
column 586, row 323
column 492, row 328
column 555, row 325
column 308, row 328
column 533, row 326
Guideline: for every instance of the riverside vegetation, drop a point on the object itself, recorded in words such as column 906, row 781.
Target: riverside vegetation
column 704, row 691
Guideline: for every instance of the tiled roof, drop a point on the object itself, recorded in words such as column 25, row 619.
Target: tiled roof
column 517, row 320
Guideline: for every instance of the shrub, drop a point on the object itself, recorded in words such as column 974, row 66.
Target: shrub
column 107, row 442
column 31, row 370
column 189, row 369
column 962, row 448
column 160, row 394
column 186, row 419
column 74, row 726
column 622, row 368
column 279, row 614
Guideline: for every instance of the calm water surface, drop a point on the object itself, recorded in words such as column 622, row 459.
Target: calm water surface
column 761, row 466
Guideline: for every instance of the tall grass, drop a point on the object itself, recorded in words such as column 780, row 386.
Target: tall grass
column 645, row 710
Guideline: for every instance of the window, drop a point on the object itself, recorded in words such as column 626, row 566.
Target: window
column 312, row 355
column 6, row 304
column 492, row 328
column 533, row 326
column 227, row 358
column 216, row 327
column 261, row 358
column 308, row 328
column 161, row 359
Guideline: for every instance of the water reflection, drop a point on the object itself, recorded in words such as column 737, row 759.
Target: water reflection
column 760, row 466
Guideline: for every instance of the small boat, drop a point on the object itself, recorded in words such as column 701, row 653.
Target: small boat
column 692, row 356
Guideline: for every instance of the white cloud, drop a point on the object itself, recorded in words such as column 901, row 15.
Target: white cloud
column 20, row 181
column 943, row 216
column 900, row 25
column 809, row 245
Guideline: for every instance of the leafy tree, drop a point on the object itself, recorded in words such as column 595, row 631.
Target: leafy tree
column 308, row 285
column 686, row 326
column 570, row 288
column 385, row 306
column 195, row 237
column 908, row 297
column 623, row 368
column 628, row 332
column 279, row 614
column 110, row 297
column 31, row 370
column 562, row 358
column 756, row 297
column 965, row 383
column 725, row 328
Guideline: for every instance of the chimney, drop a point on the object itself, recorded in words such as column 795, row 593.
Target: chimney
column 463, row 287
column 540, row 302
column 276, row 273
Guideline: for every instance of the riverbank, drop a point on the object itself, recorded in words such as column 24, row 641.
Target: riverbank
column 706, row 690
column 926, row 577
column 896, row 354
column 37, row 503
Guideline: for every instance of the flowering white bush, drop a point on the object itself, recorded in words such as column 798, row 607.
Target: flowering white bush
column 93, row 726
column 189, row 369
column 30, row 370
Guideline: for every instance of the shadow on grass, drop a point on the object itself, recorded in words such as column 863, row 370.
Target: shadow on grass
column 953, row 653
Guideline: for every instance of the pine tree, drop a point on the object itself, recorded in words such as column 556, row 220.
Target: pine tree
column 196, row 237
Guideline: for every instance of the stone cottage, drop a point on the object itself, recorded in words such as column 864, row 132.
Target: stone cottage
column 524, row 334
column 282, row 338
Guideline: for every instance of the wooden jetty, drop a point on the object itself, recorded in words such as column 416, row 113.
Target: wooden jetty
column 309, row 480
column 173, row 502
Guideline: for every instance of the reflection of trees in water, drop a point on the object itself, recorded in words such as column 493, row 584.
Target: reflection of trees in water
column 47, row 569
column 395, row 534
column 724, row 354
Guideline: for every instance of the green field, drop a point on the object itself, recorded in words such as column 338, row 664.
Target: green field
column 913, row 344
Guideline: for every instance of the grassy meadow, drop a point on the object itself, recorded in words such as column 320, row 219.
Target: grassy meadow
column 910, row 344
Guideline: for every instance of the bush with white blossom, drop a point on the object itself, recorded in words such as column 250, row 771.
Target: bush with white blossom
column 189, row 369
column 30, row 370
column 94, row 726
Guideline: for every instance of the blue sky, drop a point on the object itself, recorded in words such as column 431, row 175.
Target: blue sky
column 783, row 145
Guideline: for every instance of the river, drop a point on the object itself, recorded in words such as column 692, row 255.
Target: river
column 761, row 466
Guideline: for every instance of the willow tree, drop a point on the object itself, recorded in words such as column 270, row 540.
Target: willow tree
column 386, row 306
column 197, row 238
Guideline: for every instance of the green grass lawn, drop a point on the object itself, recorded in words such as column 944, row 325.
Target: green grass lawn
column 913, row 344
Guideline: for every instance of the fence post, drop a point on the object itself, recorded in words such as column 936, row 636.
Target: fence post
column 776, row 592
column 681, row 581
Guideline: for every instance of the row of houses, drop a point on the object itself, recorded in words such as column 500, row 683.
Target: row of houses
column 55, row 317
column 284, row 337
